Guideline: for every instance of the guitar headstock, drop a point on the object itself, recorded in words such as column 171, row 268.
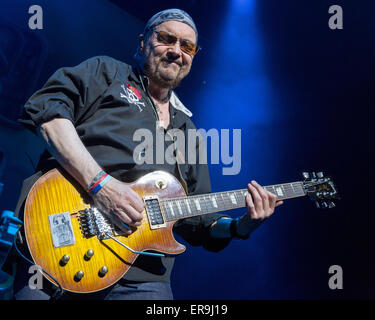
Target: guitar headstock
column 321, row 189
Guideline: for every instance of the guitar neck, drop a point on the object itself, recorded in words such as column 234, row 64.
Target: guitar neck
column 184, row 207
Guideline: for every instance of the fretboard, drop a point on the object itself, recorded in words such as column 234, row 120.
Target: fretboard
column 184, row 207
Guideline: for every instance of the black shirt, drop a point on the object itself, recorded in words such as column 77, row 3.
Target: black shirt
column 107, row 102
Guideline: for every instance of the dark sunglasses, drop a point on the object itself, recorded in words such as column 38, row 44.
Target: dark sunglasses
column 170, row 40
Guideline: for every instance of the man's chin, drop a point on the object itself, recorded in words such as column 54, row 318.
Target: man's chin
column 166, row 77
column 169, row 73
column 169, row 80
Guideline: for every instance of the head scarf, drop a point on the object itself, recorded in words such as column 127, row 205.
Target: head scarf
column 168, row 15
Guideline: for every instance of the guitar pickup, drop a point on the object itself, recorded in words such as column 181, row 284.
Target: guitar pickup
column 154, row 212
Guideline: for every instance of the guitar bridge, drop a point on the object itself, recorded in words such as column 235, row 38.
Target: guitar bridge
column 154, row 212
column 94, row 223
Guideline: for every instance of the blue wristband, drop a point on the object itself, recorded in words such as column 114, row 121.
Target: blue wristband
column 100, row 185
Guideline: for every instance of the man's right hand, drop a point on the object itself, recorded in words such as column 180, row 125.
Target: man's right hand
column 121, row 204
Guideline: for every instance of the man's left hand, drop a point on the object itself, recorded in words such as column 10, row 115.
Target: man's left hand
column 260, row 204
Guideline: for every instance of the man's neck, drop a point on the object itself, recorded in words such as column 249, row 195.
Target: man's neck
column 157, row 93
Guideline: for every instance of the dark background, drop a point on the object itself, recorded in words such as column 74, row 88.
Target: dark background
column 301, row 93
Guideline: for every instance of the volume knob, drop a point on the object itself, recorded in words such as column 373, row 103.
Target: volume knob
column 89, row 254
column 103, row 271
column 64, row 260
column 79, row 275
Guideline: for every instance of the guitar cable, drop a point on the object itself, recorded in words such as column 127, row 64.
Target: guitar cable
column 131, row 250
column 59, row 291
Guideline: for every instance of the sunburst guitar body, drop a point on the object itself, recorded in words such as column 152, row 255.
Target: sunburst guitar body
column 83, row 260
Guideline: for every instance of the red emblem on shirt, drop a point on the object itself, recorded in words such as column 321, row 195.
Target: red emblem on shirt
column 132, row 95
column 135, row 90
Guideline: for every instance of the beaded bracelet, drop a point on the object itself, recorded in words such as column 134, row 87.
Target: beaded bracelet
column 99, row 182
column 96, row 178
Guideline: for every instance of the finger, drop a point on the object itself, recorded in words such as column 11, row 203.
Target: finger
column 121, row 216
column 125, row 228
column 279, row 203
column 135, row 200
column 264, row 197
column 272, row 199
column 134, row 216
column 251, row 207
column 262, row 191
column 271, row 202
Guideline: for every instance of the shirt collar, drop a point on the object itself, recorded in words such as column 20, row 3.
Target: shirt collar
column 177, row 104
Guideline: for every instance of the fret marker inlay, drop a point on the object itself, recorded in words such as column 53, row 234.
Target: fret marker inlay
column 171, row 207
column 197, row 204
column 187, row 204
column 179, row 207
column 214, row 202
column 279, row 191
column 233, row 199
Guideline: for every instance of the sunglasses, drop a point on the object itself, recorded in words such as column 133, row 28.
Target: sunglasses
column 170, row 40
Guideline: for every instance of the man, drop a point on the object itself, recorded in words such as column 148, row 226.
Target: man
column 88, row 114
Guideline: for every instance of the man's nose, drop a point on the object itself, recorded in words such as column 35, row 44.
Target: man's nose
column 176, row 48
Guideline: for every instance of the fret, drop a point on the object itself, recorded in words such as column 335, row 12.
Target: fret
column 192, row 206
column 294, row 188
column 221, row 201
column 202, row 203
column 299, row 188
column 285, row 190
column 290, row 190
column 271, row 189
column 240, row 198
column 209, row 203
column 229, row 200
column 205, row 204
column 184, row 208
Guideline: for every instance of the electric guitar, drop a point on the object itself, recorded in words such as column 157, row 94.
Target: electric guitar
column 80, row 250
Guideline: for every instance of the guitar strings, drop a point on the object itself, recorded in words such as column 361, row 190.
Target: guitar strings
column 205, row 201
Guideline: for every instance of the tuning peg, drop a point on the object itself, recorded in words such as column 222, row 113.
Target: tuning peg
column 317, row 204
column 331, row 205
column 332, row 194
column 305, row 175
column 324, row 205
column 320, row 174
column 313, row 175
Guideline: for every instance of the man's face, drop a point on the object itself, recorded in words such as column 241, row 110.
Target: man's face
column 164, row 64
